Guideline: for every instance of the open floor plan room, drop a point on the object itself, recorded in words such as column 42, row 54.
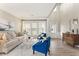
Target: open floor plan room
column 39, row 29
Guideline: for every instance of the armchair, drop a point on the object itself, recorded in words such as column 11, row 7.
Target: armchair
column 42, row 47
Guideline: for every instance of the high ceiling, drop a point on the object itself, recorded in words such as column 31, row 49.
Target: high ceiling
column 28, row 10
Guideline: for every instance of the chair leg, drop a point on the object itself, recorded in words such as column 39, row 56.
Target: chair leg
column 33, row 52
column 45, row 54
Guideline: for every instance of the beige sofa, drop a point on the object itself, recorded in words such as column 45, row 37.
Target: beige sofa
column 8, row 41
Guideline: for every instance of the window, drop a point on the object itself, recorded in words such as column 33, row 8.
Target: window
column 33, row 27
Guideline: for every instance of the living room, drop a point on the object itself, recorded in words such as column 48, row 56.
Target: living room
column 28, row 23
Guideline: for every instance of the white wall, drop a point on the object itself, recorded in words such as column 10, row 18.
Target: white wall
column 54, row 22
column 64, row 15
column 68, row 13
column 6, row 17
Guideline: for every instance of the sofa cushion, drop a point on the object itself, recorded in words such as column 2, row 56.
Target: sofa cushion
column 1, row 34
column 10, row 35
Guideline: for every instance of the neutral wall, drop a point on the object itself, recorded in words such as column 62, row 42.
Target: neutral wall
column 54, row 24
column 68, row 13
column 62, row 18
column 14, row 21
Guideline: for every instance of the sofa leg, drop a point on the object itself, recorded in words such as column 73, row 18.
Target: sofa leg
column 33, row 52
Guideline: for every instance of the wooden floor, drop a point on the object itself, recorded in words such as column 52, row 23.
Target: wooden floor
column 61, row 48
column 57, row 48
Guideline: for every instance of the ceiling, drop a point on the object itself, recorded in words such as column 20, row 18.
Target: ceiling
column 28, row 10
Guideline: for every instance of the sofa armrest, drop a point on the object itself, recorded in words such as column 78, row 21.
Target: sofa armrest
column 20, row 38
